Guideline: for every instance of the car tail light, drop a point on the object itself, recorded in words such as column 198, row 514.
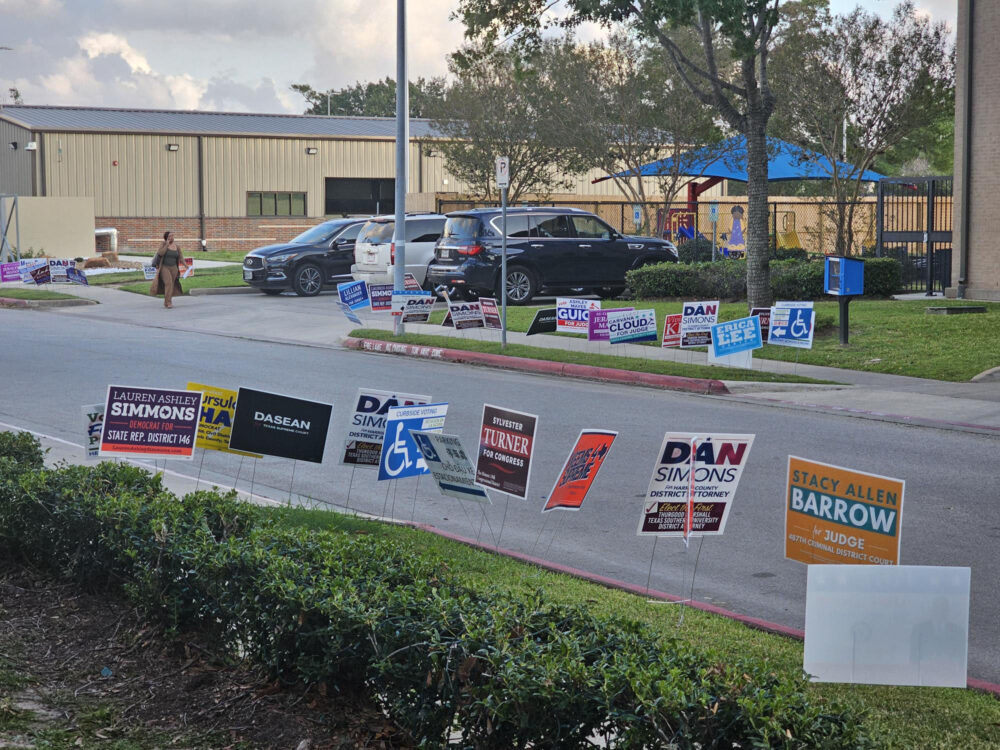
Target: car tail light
column 469, row 249
column 392, row 254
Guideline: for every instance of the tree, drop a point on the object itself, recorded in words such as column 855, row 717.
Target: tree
column 371, row 99
column 626, row 107
column 888, row 80
column 741, row 93
column 15, row 95
column 501, row 104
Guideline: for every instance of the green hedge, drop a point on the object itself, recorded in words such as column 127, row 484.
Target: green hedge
column 374, row 619
column 699, row 250
column 726, row 280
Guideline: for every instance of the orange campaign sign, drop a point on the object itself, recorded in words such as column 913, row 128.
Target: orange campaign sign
column 841, row 516
column 580, row 469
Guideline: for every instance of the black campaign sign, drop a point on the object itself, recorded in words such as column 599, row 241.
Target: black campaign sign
column 277, row 425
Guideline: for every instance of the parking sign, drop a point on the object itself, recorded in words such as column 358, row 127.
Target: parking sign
column 503, row 172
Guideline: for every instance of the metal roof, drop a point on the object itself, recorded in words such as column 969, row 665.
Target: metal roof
column 180, row 122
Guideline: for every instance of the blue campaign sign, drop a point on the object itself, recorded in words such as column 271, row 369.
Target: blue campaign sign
column 349, row 313
column 792, row 326
column 400, row 456
column 735, row 336
column 354, row 294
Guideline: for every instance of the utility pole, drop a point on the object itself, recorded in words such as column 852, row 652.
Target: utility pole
column 402, row 146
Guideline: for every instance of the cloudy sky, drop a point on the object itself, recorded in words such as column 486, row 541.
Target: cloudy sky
column 230, row 55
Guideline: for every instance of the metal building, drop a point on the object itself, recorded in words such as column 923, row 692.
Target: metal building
column 234, row 180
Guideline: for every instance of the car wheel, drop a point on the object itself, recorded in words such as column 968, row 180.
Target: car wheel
column 307, row 280
column 609, row 292
column 521, row 286
column 272, row 292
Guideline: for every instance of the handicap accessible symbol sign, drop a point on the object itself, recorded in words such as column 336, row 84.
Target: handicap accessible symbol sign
column 791, row 326
column 400, row 456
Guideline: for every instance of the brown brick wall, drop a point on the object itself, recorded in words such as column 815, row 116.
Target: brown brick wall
column 981, row 237
column 145, row 233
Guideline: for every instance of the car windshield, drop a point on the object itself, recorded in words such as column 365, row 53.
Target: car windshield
column 377, row 232
column 462, row 227
column 319, row 233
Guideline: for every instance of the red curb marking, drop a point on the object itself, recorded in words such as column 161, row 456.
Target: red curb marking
column 13, row 302
column 609, row 374
column 613, row 583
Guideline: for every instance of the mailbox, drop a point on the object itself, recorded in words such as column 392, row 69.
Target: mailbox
column 844, row 277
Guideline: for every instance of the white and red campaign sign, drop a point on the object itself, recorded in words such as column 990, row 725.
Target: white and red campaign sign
column 671, row 330
column 693, row 484
column 580, row 469
column 573, row 315
column 697, row 319
column 506, row 443
column 491, row 313
column 466, row 315
column 150, row 422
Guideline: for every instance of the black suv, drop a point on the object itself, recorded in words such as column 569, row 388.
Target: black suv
column 320, row 255
column 547, row 248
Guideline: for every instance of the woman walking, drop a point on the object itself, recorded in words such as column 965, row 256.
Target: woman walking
column 167, row 280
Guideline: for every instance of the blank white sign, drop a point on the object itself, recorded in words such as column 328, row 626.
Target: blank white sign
column 887, row 624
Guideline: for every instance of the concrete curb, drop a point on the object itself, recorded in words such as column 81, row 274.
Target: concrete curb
column 16, row 302
column 545, row 367
column 751, row 622
column 203, row 291
column 992, row 374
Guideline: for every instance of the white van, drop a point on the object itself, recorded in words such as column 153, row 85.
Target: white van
column 375, row 252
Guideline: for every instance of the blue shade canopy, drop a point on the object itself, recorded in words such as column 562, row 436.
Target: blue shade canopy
column 728, row 160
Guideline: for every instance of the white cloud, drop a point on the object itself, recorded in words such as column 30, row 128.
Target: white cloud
column 96, row 45
column 29, row 8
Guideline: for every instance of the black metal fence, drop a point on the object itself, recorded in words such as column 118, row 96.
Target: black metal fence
column 804, row 223
column 914, row 223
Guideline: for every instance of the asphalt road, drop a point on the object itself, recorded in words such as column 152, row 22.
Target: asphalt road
column 53, row 364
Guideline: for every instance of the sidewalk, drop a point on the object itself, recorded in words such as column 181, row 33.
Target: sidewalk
column 318, row 322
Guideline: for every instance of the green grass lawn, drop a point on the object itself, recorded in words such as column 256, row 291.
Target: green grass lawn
column 890, row 336
column 235, row 256
column 634, row 364
column 207, row 278
column 17, row 293
column 898, row 717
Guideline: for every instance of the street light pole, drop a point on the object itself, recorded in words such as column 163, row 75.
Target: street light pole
column 402, row 144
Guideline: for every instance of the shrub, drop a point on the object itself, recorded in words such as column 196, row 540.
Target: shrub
column 369, row 617
column 796, row 280
column 724, row 280
column 696, row 250
column 883, row 277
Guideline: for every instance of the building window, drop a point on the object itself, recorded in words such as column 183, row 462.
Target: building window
column 346, row 196
column 276, row 204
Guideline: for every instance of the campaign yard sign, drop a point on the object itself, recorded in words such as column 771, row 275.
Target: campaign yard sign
column 57, row 270
column 76, row 276
column 150, row 422
column 632, row 326
column 366, row 429
column 10, row 272
column 491, row 313
column 792, row 326
column 41, row 274
column 543, row 322
column 597, row 323
column 697, row 319
column 838, row 515
column 764, row 313
column 278, row 425
column 580, row 469
column 149, row 272
column 415, row 305
column 400, row 456
column 215, row 423
column 410, row 283
column 93, row 422
column 380, row 297
column 348, row 312
column 354, row 294
column 679, row 504
column 735, row 336
column 466, row 315
column 506, row 443
column 573, row 314
column 671, row 331
column 31, row 268
column 450, row 465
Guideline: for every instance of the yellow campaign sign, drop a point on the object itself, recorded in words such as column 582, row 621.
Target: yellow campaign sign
column 215, row 426
column 841, row 516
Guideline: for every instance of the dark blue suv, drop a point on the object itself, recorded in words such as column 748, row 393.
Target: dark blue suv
column 547, row 249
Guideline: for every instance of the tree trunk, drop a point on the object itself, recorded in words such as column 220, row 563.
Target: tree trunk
column 758, row 272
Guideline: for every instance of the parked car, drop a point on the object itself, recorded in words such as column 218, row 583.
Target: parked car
column 375, row 252
column 547, row 249
column 319, row 256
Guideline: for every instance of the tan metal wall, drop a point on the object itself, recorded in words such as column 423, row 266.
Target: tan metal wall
column 147, row 180
column 57, row 227
column 15, row 165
